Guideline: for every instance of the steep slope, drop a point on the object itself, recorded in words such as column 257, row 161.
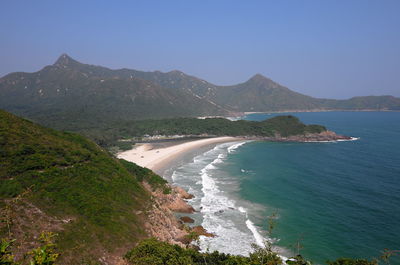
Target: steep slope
column 70, row 91
column 61, row 182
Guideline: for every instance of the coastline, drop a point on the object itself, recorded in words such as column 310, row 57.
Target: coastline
column 319, row 110
column 166, row 219
column 159, row 158
column 163, row 217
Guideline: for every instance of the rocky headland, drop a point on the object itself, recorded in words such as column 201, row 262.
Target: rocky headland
column 163, row 224
column 325, row 136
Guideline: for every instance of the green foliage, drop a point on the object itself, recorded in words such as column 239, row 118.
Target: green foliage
column 71, row 176
column 123, row 146
column 152, row 251
column 6, row 257
column 298, row 260
column 264, row 255
column 145, row 174
column 350, row 261
column 282, row 125
column 192, row 236
column 45, row 254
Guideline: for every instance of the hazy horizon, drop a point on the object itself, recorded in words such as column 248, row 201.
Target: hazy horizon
column 330, row 49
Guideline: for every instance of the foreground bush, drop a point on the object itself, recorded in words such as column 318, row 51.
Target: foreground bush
column 152, row 251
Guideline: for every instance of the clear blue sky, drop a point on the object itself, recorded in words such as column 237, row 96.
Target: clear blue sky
column 323, row 48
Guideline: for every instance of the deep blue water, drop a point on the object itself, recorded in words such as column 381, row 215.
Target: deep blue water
column 337, row 199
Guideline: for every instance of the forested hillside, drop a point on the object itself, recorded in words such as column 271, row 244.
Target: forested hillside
column 63, row 183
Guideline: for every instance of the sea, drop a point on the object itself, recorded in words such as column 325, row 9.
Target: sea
column 325, row 200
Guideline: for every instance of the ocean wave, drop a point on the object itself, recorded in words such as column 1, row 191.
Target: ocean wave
column 242, row 210
column 221, row 216
column 259, row 239
column 218, row 212
column 235, row 146
column 351, row 139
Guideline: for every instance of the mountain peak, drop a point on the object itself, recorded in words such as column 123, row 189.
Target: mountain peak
column 65, row 60
column 258, row 77
column 260, row 81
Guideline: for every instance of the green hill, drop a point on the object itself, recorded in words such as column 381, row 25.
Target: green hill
column 62, row 182
column 282, row 125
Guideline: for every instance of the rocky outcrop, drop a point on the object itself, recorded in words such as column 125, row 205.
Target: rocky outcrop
column 325, row 136
column 201, row 231
column 186, row 219
column 175, row 201
column 183, row 194
column 161, row 222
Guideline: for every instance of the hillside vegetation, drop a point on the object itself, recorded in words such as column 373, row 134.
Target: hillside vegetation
column 69, row 94
column 65, row 183
column 154, row 252
column 281, row 125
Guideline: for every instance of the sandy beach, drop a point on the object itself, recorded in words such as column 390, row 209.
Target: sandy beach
column 147, row 155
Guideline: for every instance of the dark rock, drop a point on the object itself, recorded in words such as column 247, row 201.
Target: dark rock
column 186, row 219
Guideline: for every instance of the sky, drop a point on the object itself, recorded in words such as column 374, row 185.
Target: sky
column 322, row 48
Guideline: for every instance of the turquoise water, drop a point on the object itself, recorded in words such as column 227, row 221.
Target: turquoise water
column 336, row 199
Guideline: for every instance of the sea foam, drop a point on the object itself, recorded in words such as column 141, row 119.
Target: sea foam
column 217, row 212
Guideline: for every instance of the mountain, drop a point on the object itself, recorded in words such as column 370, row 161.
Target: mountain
column 362, row 103
column 262, row 94
column 64, row 183
column 74, row 96
column 72, row 91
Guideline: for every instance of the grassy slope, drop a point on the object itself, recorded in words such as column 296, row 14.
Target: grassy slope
column 71, row 177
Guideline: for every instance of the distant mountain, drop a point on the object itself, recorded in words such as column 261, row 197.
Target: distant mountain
column 262, row 94
column 69, row 93
column 362, row 103
column 74, row 91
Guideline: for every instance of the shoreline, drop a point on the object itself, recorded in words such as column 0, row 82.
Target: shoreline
column 160, row 158
column 319, row 110
column 164, row 220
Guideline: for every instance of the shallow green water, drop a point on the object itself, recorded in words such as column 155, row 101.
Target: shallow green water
column 337, row 199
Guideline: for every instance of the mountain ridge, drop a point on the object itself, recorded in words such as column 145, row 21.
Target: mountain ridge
column 71, row 92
